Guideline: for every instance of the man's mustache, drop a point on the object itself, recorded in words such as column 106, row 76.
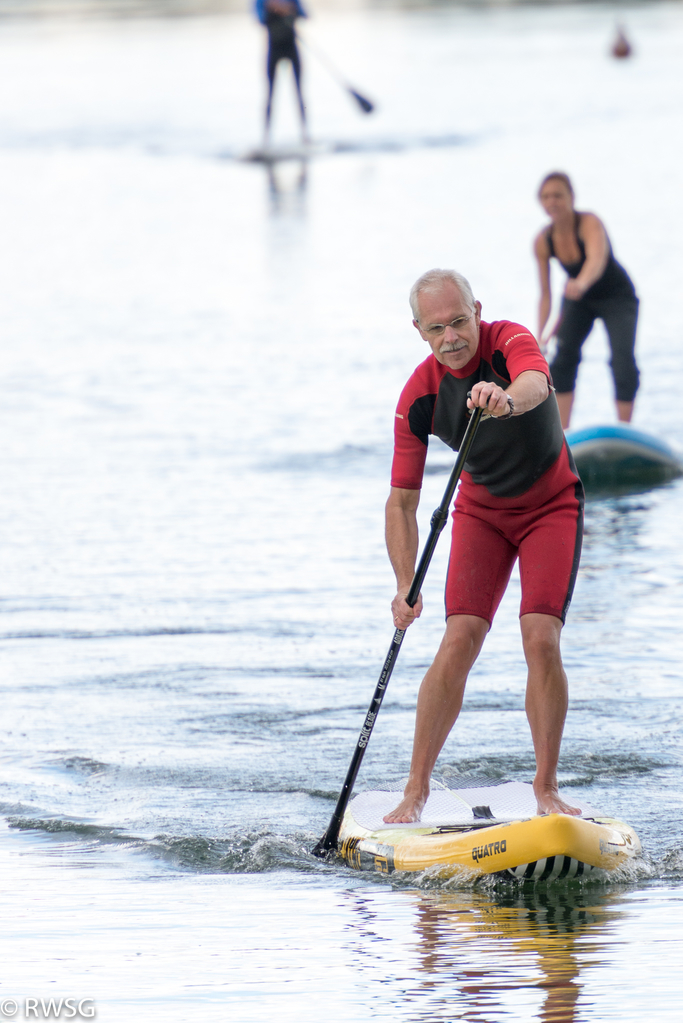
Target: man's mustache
column 452, row 346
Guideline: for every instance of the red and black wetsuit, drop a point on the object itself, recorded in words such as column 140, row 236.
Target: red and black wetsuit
column 520, row 494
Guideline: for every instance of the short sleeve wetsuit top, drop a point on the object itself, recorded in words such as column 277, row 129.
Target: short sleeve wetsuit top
column 519, row 495
column 508, row 457
column 612, row 298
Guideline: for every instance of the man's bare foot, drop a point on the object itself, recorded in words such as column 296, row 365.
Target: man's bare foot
column 549, row 801
column 408, row 810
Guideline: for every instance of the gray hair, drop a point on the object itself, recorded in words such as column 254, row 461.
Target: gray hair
column 434, row 280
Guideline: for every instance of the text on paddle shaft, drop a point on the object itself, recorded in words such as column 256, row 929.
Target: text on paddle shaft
column 366, row 729
column 492, row 849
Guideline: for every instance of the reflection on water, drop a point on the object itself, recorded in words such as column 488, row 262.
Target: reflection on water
column 540, row 931
column 615, row 522
column 507, row 953
column 287, row 182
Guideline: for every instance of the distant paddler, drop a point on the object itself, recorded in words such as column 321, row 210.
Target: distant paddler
column 598, row 288
column 519, row 498
column 279, row 17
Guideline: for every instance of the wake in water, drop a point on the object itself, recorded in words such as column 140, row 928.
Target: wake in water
column 263, row 851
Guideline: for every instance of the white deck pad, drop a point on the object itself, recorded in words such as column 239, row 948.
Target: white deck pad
column 511, row 801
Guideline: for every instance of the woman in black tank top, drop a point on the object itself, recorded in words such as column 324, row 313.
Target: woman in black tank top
column 598, row 288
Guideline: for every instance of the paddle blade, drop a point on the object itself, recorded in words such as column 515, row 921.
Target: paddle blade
column 325, row 846
column 366, row 106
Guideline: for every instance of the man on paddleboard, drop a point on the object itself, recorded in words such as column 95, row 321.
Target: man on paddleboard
column 279, row 17
column 520, row 497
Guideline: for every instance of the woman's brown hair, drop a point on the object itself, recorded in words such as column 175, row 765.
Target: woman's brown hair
column 556, row 176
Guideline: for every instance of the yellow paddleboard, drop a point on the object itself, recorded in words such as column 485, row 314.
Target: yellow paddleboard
column 490, row 830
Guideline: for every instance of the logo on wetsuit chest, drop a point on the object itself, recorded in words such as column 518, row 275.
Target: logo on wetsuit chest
column 522, row 333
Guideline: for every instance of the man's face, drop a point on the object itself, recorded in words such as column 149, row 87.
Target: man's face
column 458, row 343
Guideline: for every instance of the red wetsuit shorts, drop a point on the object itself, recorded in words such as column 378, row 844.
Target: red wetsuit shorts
column 543, row 528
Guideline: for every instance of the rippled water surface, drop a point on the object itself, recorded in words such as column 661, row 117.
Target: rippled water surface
column 200, row 365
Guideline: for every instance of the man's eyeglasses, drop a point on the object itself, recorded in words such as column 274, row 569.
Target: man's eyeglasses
column 437, row 329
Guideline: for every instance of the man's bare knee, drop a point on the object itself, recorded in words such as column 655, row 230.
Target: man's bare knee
column 463, row 638
column 541, row 638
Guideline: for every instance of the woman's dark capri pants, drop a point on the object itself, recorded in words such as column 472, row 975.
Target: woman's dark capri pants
column 620, row 316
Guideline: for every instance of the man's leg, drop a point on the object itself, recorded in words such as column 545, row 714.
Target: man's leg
column 546, row 705
column 271, row 69
column 438, row 705
column 296, row 67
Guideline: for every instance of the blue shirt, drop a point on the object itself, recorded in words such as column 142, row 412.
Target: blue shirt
column 262, row 13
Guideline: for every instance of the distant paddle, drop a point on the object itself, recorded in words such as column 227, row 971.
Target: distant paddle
column 329, row 840
column 366, row 106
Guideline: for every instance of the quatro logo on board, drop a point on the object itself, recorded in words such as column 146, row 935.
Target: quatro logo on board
column 492, row 849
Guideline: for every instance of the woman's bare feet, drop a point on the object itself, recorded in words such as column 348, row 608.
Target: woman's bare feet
column 408, row 810
column 549, row 801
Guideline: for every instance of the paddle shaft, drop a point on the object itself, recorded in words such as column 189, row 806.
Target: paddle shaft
column 365, row 104
column 438, row 521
